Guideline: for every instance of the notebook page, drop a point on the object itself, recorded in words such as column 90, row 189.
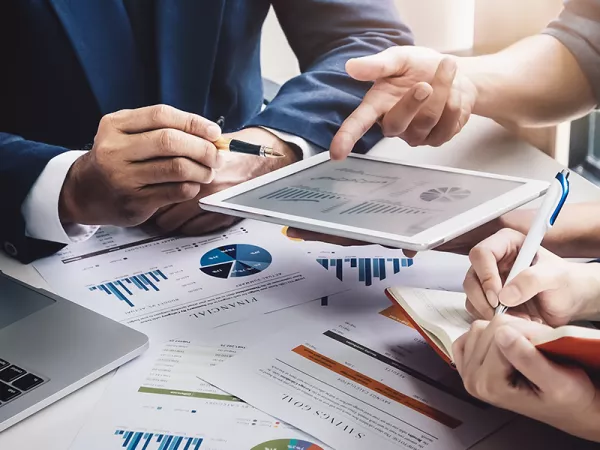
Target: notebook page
column 445, row 310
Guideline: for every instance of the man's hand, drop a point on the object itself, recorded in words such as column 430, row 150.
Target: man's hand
column 141, row 160
column 552, row 290
column 419, row 95
column 499, row 365
column 188, row 218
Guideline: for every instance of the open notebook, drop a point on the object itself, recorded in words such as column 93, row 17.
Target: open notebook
column 441, row 318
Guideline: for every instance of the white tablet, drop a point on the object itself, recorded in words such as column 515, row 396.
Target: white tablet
column 414, row 207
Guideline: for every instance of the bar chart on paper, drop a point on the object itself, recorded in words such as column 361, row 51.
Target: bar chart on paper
column 124, row 289
column 367, row 269
column 142, row 440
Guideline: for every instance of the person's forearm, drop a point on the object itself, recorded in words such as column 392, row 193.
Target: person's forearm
column 535, row 82
column 576, row 233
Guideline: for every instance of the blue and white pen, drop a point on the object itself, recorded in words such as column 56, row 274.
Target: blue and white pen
column 553, row 202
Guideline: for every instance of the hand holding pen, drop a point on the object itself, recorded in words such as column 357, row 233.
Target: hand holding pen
column 553, row 202
column 553, row 290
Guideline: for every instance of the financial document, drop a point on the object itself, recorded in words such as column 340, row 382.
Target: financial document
column 360, row 379
column 160, row 399
column 157, row 284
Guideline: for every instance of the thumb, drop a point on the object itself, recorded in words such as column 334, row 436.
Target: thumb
column 389, row 63
column 531, row 282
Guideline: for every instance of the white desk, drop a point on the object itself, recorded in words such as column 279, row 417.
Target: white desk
column 483, row 145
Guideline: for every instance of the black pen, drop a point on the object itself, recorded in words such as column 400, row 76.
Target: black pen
column 235, row 146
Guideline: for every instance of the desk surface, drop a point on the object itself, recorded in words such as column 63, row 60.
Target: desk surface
column 483, row 145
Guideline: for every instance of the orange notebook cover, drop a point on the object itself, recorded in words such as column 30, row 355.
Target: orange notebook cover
column 569, row 344
column 404, row 317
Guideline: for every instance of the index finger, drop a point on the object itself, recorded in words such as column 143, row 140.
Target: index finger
column 163, row 116
column 357, row 125
column 485, row 257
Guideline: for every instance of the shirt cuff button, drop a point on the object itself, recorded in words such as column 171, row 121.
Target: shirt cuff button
column 10, row 249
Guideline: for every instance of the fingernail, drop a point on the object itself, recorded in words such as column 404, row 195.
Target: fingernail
column 509, row 296
column 492, row 298
column 421, row 94
column 213, row 132
column 505, row 336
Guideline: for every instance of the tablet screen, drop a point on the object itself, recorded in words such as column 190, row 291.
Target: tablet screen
column 390, row 198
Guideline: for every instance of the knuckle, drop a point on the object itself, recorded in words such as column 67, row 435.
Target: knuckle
column 161, row 113
column 356, row 125
column 470, row 383
column 390, row 131
column 426, row 119
column 478, row 326
column 477, row 253
column 129, row 209
column 107, row 121
column 453, row 107
column 168, row 140
column 187, row 191
column 487, row 390
column 195, row 124
column 180, row 169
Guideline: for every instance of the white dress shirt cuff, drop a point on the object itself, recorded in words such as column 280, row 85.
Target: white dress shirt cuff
column 307, row 148
column 40, row 208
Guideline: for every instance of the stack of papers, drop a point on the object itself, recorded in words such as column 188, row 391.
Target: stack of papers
column 245, row 354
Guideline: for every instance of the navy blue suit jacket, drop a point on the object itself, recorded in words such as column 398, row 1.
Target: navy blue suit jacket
column 66, row 63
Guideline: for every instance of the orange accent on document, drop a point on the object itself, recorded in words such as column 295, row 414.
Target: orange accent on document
column 378, row 387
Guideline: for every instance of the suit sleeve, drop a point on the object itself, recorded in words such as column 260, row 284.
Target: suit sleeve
column 324, row 35
column 21, row 163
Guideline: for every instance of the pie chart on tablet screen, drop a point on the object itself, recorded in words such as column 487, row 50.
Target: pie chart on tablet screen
column 235, row 261
column 288, row 444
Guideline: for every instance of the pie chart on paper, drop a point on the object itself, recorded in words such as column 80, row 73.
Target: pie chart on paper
column 287, row 444
column 235, row 261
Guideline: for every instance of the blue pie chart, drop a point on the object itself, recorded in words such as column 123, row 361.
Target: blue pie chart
column 235, row 261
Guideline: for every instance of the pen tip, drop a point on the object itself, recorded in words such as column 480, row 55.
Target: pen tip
column 269, row 152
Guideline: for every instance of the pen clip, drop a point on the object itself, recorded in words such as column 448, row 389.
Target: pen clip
column 563, row 179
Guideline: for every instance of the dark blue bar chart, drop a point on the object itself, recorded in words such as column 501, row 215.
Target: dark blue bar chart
column 368, row 268
column 141, row 440
column 123, row 288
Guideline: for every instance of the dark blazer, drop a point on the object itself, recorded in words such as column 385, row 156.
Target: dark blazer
column 66, row 63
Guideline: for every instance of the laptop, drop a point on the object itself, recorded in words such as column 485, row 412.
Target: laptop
column 50, row 347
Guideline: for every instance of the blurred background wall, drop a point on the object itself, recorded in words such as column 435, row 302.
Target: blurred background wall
column 446, row 25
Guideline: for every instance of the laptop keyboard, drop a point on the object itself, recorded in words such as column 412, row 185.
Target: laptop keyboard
column 15, row 381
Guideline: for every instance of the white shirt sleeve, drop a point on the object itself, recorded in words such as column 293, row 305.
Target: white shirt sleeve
column 307, row 148
column 40, row 208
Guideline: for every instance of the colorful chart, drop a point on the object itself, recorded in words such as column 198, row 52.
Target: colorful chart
column 368, row 268
column 141, row 440
column 445, row 194
column 235, row 261
column 122, row 289
column 287, row 444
